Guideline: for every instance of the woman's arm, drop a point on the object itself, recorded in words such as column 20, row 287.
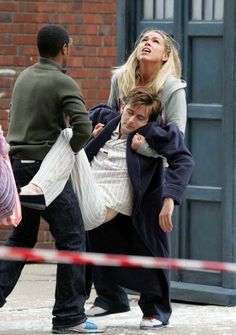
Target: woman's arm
column 114, row 96
column 169, row 143
column 175, row 110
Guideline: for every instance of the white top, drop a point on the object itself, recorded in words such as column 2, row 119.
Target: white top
column 110, row 171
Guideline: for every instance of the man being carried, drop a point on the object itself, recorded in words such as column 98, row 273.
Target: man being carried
column 117, row 183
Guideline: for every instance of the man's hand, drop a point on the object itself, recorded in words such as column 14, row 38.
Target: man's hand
column 165, row 215
column 137, row 140
column 97, row 129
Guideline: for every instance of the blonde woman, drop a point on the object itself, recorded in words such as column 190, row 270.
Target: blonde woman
column 154, row 63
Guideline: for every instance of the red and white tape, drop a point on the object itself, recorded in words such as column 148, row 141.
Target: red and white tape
column 68, row 257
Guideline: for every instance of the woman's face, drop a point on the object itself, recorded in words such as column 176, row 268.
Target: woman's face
column 152, row 48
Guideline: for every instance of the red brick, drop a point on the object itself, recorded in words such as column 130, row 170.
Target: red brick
column 7, row 6
column 23, row 61
column 109, row 19
column 8, row 50
column 5, row 38
column 83, row 73
column 110, row 41
column 29, row 6
column 4, row 124
column 54, row 7
column 24, row 39
column 5, row 114
column 28, row 28
column 5, row 97
column 44, row 245
column 105, row 73
column 100, row 8
column 22, row 17
column 32, row 53
column 86, row 84
column 6, row 60
column 75, row 61
column 7, row 27
column 5, row 104
column 101, row 1
column 44, row 225
column 91, row 23
column 85, row 51
column 108, row 51
column 92, row 40
column 103, row 95
column 95, row 19
column 78, row 19
column 87, row 29
column 94, row 62
column 6, row 81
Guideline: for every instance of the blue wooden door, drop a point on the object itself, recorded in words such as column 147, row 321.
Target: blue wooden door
column 204, row 224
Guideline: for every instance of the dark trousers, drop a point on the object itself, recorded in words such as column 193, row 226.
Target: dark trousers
column 66, row 226
column 110, row 295
column 154, row 299
column 119, row 236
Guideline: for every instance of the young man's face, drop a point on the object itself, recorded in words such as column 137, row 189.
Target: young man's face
column 133, row 118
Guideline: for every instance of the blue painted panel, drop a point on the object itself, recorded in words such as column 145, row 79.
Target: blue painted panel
column 205, row 278
column 207, row 70
column 203, row 240
column 204, row 231
column 205, row 139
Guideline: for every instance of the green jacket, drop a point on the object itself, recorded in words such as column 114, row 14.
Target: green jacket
column 43, row 98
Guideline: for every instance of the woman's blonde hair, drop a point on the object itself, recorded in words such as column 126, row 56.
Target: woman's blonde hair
column 128, row 73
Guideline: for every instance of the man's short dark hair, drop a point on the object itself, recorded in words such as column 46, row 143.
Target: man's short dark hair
column 50, row 40
column 142, row 96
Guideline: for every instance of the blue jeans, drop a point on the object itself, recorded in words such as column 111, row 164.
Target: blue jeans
column 66, row 226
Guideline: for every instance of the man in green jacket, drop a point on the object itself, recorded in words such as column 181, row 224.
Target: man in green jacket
column 44, row 99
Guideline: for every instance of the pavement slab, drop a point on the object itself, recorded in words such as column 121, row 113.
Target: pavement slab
column 28, row 311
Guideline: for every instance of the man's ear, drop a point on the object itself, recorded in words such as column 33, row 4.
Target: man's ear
column 122, row 107
column 64, row 49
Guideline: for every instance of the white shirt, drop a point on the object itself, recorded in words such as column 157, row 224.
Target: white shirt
column 110, row 171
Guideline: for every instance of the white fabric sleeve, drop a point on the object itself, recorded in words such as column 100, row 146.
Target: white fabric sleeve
column 176, row 110
column 58, row 166
column 146, row 150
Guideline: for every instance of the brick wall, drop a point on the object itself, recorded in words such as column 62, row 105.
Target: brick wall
column 92, row 26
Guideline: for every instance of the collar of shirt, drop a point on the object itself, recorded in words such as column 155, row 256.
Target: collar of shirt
column 50, row 63
column 116, row 133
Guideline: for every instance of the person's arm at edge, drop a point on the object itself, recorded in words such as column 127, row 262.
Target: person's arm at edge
column 169, row 143
column 74, row 108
